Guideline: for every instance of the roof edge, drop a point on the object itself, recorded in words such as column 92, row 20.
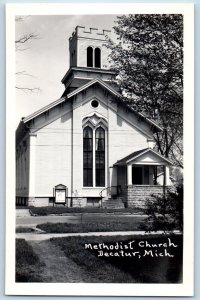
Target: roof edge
column 140, row 154
column 95, row 70
column 88, row 84
column 43, row 109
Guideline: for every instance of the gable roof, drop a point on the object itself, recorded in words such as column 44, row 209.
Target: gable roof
column 80, row 89
column 136, row 154
column 43, row 109
column 116, row 94
column 93, row 82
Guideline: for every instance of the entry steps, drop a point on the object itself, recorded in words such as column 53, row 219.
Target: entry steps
column 112, row 203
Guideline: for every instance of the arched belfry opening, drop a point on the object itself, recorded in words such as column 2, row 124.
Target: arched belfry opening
column 90, row 57
column 93, row 57
column 97, row 58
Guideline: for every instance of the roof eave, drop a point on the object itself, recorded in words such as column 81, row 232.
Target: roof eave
column 97, row 80
column 122, row 163
column 42, row 110
column 87, row 85
column 108, row 71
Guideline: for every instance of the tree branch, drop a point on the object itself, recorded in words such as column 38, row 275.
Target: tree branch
column 26, row 89
column 24, row 73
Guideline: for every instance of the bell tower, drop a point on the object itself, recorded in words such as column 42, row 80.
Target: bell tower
column 87, row 48
column 88, row 58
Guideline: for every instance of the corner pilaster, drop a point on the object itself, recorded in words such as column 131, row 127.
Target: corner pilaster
column 32, row 156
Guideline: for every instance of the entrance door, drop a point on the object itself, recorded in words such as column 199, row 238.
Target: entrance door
column 137, row 175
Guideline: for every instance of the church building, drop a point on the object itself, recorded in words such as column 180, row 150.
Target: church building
column 88, row 148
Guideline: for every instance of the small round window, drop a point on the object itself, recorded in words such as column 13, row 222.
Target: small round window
column 95, row 103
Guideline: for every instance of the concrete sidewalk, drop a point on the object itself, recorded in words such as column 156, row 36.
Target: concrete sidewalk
column 34, row 221
column 46, row 236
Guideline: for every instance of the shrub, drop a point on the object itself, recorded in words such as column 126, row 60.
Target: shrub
column 165, row 212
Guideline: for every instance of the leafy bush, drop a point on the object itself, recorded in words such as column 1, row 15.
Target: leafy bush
column 165, row 212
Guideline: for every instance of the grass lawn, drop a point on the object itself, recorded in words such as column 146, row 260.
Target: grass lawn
column 28, row 265
column 126, row 269
column 48, row 210
column 133, row 224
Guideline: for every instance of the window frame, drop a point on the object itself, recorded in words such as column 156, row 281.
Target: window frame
column 88, row 124
column 90, row 58
column 87, row 152
column 99, row 153
column 93, row 57
column 96, row 56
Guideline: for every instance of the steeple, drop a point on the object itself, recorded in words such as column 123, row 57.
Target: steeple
column 88, row 58
column 87, row 48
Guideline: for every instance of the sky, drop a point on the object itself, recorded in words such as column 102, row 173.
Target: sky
column 43, row 62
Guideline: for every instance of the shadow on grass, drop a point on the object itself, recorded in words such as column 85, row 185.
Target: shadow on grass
column 146, row 269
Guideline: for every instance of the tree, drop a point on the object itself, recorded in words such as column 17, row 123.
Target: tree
column 21, row 45
column 148, row 58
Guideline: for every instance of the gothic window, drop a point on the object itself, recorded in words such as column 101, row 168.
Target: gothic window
column 97, row 55
column 90, row 57
column 87, row 156
column 100, row 156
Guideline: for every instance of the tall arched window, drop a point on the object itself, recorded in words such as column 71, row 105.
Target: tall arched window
column 90, row 57
column 100, row 156
column 97, row 58
column 87, row 156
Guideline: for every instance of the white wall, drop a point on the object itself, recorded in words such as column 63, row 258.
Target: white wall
column 53, row 156
column 122, row 137
column 59, row 143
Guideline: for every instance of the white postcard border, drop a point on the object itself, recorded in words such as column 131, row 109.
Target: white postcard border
column 184, row 289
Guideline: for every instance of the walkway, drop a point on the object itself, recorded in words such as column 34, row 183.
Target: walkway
column 47, row 236
column 57, row 266
column 77, row 218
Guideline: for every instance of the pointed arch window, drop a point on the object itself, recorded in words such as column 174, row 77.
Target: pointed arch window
column 90, row 57
column 97, row 55
column 87, row 156
column 100, row 156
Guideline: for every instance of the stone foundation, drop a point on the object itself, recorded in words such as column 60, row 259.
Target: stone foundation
column 136, row 195
column 38, row 202
column 79, row 202
column 130, row 196
column 46, row 201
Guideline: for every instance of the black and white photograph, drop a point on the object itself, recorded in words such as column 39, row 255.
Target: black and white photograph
column 102, row 193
